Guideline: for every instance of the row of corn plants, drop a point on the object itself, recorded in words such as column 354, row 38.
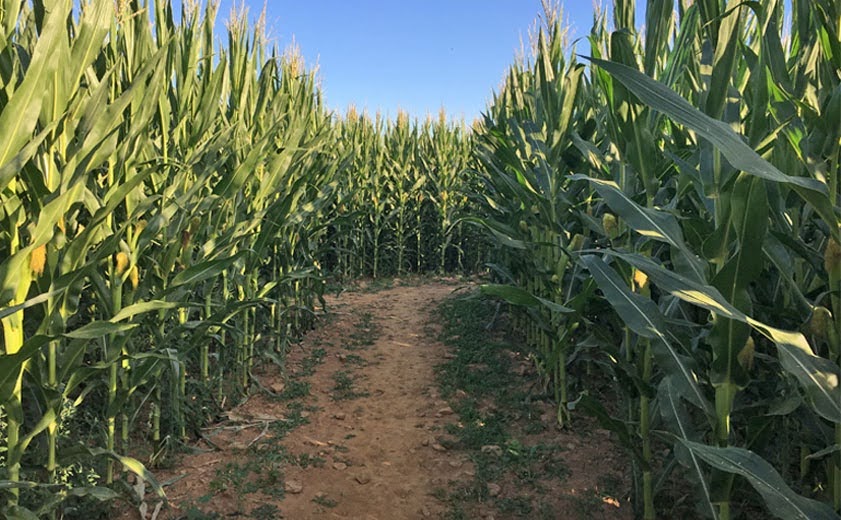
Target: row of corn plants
column 172, row 206
column 667, row 211
column 161, row 212
column 405, row 185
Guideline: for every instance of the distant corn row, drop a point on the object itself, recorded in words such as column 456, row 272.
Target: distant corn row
column 405, row 185
column 159, row 194
column 671, row 220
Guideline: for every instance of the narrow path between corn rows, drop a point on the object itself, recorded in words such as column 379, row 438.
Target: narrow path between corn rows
column 356, row 427
column 370, row 410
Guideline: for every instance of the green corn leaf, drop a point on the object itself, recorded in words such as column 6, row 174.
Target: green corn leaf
column 780, row 500
column 98, row 329
column 19, row 513
column 517, row 296
column 627, row 440
column 818, row 377
column 642, row 316
column 11, row 364
column 204, row 270
column 31, row 302
column 501, row 232
column 133, row 465
column 824, row 452
column 675, row 416
column 648, row 222
column 725, row 58
column 14, row 165
column 142, row 308
column 749, row 218
column 18, row 484
column 20, row 114
column 739, row 154
column 94, row 25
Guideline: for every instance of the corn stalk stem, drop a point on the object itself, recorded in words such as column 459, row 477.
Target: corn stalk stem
column 645, row 433
column 13, row 338
column 112, row 354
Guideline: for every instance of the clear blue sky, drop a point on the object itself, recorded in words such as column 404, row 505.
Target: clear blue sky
column 417, row 55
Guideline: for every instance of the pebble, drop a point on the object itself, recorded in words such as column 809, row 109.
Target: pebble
column 340, row 416
column 494, row 489
column 445, row 411
column 293, row 486
column 438, row 447
column 492, row 449
column 362, row 478
column 339, row 466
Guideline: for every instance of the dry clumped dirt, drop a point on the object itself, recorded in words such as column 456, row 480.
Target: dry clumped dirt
column 369, row 441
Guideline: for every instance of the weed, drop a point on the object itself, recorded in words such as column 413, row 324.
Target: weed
column 587, row 504
column 295, row 389
column 518, row 506
column 493, row 410
column 194, row 513
column 354, row 359
column 265, row 512
column 378, row 284
column 293, row 420
column 325, row 501
column 364, row 334
column 306, row 460
column 344, row 387
column 309, row 363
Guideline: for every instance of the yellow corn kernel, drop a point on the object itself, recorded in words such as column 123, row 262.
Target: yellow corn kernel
column 817, row 323
column 134, row 276
column 640, row 279
column 121, row 261
column 745, row 356
column 38, row 259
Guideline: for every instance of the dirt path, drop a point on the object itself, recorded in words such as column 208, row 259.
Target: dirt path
column 392, row 467
column 368, row 450
column 356, row 428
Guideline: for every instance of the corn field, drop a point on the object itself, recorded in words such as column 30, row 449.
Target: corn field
column 662, row 214
column 404, row 187
column 669, row 213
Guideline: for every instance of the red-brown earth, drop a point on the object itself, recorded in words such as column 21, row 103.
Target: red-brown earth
column 356, row 429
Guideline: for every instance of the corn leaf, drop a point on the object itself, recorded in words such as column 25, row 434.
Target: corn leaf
column 780, row 500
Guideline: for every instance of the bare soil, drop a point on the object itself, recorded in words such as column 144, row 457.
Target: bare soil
column 366, row 440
